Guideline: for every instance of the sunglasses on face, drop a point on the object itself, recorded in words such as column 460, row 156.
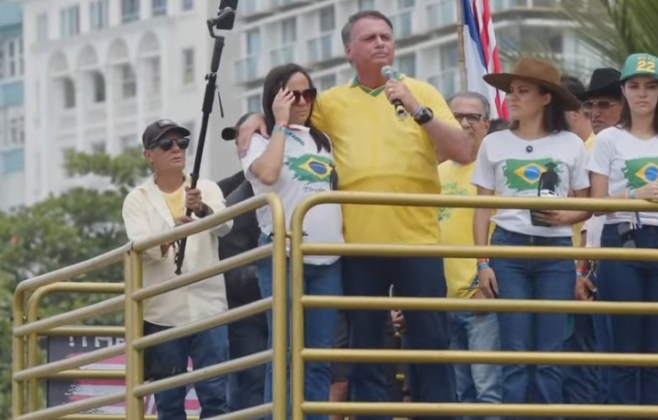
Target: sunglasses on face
column 309, row 95
column 470, row 118
column 167, row 143
column 588, row 106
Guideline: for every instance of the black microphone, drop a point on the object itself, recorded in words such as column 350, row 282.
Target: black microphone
column 389, row 73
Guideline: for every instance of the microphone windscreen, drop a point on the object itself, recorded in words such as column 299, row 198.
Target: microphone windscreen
column 388, row 72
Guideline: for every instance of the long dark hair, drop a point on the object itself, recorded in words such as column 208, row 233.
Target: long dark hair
column 554, row 119
column 626, row 119
column 277, row 78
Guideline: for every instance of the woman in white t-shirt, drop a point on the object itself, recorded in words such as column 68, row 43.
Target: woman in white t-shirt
column 536, row 156
column 624, row 164
column 296, row 162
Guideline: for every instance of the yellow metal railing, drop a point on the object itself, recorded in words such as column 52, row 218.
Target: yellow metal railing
column 27, row 327
column 300, row 354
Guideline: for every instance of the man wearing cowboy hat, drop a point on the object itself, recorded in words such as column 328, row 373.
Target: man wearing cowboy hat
column 602, row 100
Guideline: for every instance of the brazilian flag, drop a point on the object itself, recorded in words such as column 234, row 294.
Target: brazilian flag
column 523, row 175
column 640, row 172
column 310, row 168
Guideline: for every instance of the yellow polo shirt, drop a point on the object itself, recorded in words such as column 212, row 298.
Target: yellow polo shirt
column 374, row 151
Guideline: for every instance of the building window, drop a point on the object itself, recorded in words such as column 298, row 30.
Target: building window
column 14, row 56
column 42, row 27
column 98, row 86
column 12, row 162
column 69, row 21
column 99, row 15
column 326, row 82
column 253, row 42
column 159, row 7
column 254, row 103
column 128, row 142
column 449, row 56
column 129, row 10
column 289, row 31
column 128, row 81
column 154, row 76
column 68, row 91
column 188, row 66
column 188, row 5
column 366, row 5
column 407, row 64
column 16, row 132
column 3, row 62
column 327, row 19
column 98, row 147
column 406, row 4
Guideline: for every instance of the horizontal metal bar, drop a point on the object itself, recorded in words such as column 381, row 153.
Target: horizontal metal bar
column 483, row 357
column 100, row 330
column 89, row 374
column 224, row 318
column 93, row 264
column 72, row 363
column 111, row 417
column 450, row 251
column 493, row 202
column 406, row 409
column 259, row 411
column 206, row 223
column 247, row 257
column 92, row 311
column 75, row 407
column 235, row 365
column 479, row 305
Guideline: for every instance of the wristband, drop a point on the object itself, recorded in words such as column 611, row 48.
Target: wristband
column 631, row 193
column 483, row 265
column 417, row 112
column 280, row 127
column 582, row 273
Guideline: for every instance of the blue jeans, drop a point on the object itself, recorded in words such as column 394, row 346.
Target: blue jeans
column 477, row 383
column 532, row 279
column 246, row 388
column 631, row 281
column 421, row 277
column 206, row 348
column 319, row 326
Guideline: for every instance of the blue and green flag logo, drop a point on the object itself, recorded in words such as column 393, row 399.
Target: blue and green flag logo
column 640, row 172
column 310, row 168
column 523, row 175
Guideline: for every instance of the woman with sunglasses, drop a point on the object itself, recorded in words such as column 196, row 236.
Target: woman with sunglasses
column 296, row 162
column 624, row 164
column 536, row 156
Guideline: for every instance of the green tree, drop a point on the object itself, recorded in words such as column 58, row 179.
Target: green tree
column 60, row 231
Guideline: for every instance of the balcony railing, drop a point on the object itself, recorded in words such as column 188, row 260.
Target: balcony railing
column 283, row 55
column 247, row 68
column 321, row 48
column 441, row 13
column 447, row 82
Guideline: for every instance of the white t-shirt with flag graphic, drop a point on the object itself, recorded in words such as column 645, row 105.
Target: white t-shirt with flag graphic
column 629, row 163
column 305, row 172
column 511, row 167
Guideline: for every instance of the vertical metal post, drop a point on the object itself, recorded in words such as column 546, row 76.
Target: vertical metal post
column 134, row 329
column 297, row 330
column 18, row 362
column 279, row 311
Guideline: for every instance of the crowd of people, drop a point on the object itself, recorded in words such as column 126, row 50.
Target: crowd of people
column 563, row 140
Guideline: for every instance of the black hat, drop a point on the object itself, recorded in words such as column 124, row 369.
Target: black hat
column 156, row 130
column 604, row 82
column 230, row 133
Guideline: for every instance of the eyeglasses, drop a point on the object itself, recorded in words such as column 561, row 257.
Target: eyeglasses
column 309, row 95
column 471, row 118
column 588, row 106
column 167, row 143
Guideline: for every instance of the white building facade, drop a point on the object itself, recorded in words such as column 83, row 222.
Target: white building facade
column 308, row 32
column 98, row 71
column 12, row 122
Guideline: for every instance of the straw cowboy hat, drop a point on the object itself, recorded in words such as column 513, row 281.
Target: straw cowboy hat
column 536, row 71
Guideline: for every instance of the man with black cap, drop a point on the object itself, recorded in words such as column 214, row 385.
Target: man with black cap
column 155, row 207
column 602, row 100
column 249, row 335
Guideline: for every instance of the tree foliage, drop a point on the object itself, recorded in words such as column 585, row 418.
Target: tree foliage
column 60, row 231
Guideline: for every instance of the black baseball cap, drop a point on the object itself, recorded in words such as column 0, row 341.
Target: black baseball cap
column 230, row 133
column 156, row 130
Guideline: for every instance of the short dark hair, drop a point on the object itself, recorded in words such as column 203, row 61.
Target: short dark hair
column 346, row 32
column 486, row 106
column 275, row 80
column 554, row 119
column 573, row 85
column 626, row 118
column 498, row 124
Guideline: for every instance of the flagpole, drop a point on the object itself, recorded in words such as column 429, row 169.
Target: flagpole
column 463, row 81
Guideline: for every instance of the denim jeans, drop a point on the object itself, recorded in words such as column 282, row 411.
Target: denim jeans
column 532, row 279
column 319, row 326
column 478, row 383
column 246, row 388
column 631, row 281
column 206, row 348
column 422, row 277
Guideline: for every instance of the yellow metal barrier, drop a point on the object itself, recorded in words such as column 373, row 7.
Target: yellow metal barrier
column 300, row 354
column 28, row 327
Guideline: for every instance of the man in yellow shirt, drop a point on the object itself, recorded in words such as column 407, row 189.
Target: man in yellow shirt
column 375, row 151
column 470, row 331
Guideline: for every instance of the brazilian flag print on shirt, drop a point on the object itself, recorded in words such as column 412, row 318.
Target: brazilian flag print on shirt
column 523, row 175
column 310, row 168
column 639, row 172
